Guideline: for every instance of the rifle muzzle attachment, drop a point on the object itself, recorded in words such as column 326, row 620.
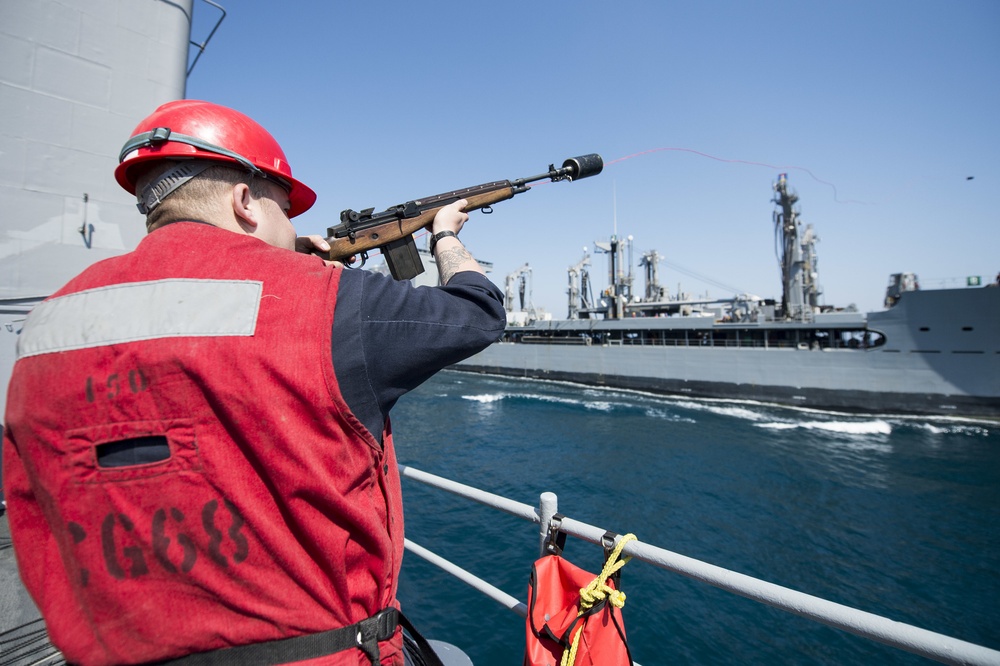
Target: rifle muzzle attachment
column 583, row 166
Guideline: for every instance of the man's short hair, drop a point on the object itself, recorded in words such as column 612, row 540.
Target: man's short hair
column 195, row 199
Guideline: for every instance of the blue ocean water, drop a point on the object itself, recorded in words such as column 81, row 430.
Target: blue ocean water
column 891, row 515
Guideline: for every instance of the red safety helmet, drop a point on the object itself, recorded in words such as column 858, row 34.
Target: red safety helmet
column 193, row 129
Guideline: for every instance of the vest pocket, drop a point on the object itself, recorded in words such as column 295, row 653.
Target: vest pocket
column 116, row 452
column 144, row 450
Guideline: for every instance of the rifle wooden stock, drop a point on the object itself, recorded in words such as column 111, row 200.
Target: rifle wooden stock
column 397, row 226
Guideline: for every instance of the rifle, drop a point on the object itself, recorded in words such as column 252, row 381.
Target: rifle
column 392, row 230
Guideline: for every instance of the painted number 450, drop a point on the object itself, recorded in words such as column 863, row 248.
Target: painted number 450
column 134, row 381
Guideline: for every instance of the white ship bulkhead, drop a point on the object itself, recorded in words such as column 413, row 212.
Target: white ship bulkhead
column 75, row 79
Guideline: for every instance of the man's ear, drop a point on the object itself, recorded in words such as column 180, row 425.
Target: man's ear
column 244, row 207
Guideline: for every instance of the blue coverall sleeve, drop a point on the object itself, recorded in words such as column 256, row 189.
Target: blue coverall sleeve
column 389, row 337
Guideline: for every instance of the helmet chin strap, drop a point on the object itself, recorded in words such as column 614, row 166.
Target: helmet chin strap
column 153, row 194
column 161, row 135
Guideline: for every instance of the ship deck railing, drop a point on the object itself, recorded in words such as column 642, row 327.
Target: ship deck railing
column 935, row 646
column 730, row 343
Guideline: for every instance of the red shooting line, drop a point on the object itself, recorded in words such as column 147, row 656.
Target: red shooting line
column 730, row 161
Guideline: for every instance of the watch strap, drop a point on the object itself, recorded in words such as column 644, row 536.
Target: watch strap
column 439, row 235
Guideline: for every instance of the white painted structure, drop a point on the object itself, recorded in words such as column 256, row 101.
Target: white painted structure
column 76, row 76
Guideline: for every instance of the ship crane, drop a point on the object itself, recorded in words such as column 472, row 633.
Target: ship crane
column 522, row 278
column 649, row 261
column 580, row 297
column 797, row 259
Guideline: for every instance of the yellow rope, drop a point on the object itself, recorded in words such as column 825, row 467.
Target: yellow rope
column 596, row 591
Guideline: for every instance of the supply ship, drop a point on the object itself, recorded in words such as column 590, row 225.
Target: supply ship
column 930, row 352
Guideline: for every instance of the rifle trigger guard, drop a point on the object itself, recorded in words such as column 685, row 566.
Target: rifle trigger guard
column 363, row 255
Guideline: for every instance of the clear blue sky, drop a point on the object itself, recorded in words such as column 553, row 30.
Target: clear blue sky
column 892, row 105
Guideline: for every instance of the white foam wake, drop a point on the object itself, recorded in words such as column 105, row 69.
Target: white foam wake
column 487, row 398
column 876, row 427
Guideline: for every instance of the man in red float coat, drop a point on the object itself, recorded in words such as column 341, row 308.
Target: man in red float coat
column 197, row 454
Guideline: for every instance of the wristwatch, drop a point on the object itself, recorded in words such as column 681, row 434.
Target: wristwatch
column 439, row 235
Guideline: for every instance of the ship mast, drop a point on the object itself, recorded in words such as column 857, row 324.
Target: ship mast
column 619, row 291
column 797, row 259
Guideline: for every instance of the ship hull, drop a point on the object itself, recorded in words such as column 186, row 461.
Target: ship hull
column 940, row 356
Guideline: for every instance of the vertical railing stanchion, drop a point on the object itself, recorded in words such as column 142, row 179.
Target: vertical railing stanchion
column 548, row 506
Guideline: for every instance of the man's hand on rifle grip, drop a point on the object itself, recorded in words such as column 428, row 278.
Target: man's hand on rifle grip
column 315, row 244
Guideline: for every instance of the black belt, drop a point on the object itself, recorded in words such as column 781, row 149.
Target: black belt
column 364, row 635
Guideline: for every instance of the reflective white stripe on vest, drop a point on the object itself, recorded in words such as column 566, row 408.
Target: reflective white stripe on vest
column 141, row 311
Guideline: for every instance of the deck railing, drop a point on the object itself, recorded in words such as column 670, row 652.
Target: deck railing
column 906, row 637
column 725, row 343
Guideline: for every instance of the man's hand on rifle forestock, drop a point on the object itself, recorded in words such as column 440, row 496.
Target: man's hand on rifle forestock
column 449, row 252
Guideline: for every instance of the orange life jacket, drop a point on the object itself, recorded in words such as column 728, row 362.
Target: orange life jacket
column 553, row 619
